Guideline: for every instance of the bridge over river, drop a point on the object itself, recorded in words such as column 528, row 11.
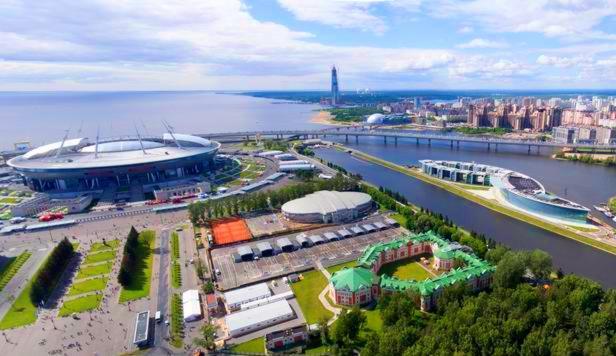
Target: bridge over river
column 356, row 133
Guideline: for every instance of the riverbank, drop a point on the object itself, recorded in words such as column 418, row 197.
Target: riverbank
column 601, row 159
column 323, row 117
column 567, row 232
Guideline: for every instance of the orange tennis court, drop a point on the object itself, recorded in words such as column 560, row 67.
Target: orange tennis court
column 230, row 230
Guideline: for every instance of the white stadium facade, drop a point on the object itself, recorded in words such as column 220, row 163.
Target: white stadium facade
column 79, row 164
column 328, row 207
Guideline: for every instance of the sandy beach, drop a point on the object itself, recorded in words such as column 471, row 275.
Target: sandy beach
column 325, row 118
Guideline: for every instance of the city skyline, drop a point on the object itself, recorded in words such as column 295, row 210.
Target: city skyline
column 287, row 44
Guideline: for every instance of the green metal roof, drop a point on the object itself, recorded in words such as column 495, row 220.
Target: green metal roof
column 354, row 279
column 474, row 267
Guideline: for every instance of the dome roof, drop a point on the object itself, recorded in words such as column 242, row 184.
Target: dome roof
column 375, row 119
column 121, row 146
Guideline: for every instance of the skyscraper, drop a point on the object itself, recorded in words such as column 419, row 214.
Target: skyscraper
column 335, row 93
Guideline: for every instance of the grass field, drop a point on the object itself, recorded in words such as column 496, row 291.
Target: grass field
column 373, row 320
column 94, row 270
column 140, row 284
column 109, row 245
column 90, row 285
column 80, row 304
column 100, row 257
column 251, row 346
column 10, row 200
column 307, row 293
column 405, row 269
column 21, row 313
column 529, row 219
column 12, row 267
column 336, row 268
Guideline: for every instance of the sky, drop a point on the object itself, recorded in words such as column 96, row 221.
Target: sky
column 292, row 44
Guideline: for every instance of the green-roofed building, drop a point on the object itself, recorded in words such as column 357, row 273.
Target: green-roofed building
column 346, row 286
column 354, row 286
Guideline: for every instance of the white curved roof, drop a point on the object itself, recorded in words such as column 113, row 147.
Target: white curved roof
column 325, row 202
column 187, row 138
column 375, row 119
column 121, row 146
column 52, row 148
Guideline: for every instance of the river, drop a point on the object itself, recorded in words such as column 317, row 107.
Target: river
column 572, row 256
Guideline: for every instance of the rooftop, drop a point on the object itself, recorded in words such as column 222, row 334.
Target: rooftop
column 239, row 296
column 257, row 315
column 326, row 202
column 354, row 279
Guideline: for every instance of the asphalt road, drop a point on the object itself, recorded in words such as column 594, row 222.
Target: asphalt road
column 161, row 330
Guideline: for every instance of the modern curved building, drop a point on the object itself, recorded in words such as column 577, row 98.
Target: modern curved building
column 79, row 164
column 519, row 190
column 328, row 207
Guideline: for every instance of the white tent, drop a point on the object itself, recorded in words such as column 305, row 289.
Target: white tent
column 191, row 305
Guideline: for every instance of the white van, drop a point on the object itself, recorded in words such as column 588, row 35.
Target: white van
column 157, row 317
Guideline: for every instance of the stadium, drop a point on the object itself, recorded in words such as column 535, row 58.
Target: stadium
column 80, row 165
column 328, row 207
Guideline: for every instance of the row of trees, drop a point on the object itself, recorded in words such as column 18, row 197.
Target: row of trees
column 130, row 259
column 201, row 212
column 588, row 158
column 47, row 277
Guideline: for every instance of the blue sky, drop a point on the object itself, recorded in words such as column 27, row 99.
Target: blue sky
column 291, row 44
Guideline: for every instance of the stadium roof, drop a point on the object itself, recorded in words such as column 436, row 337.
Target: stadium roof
column 79, row 153
column 354, row 279
column 326, row 202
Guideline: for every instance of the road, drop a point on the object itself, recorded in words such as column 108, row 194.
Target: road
column 161, row 329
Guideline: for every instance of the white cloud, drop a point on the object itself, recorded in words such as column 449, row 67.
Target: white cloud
column 572, row 19
column 562, row 62
column 483, row 67
column 482, row 43
column 338, row 13
column 466, row 29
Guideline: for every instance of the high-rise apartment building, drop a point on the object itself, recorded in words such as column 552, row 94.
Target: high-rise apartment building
column 335, row 92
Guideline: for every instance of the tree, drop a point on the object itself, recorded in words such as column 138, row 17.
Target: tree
column 540, row 264
column 348, row 326
column 324, row 330
column 208, row 337
column 510, row 270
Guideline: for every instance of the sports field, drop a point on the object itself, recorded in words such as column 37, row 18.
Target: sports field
column 230, row 230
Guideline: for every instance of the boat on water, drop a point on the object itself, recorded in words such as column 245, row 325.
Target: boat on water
column 608, row 214
column 518, row 189
column 599, row 208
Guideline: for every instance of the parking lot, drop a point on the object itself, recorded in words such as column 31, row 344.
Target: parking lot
column 234, row 274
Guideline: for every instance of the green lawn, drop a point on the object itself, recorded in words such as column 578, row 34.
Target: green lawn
column 100, row 257
column 405, row 269
column 336, row 268
column 109, row 245
column 10, row 200
column 12, row 267
column 140, row 284
column 21, row 313
column 89, row 285
column 253, row 346
column 399, row 218
column 176, row 274
column 80, row 304
column 307, row 293
column 373, row 320
column 321, row 350
column 94, row 270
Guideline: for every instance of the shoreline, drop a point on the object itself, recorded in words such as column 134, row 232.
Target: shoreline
column 529, row 219
column 323, row 117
